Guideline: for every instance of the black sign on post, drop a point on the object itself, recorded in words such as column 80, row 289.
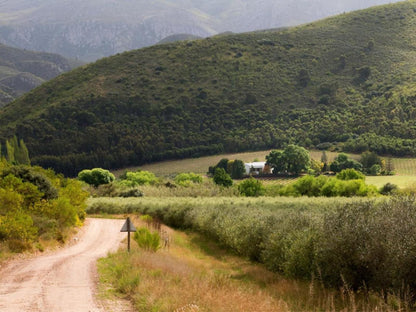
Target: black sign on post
column 128, row 227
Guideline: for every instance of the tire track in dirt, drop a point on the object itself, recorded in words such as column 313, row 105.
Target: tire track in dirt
column 64, row 280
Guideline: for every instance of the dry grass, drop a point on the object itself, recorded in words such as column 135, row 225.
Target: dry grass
column 194, row 274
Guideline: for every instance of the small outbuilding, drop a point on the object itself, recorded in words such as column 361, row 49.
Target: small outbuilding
column 256, row 168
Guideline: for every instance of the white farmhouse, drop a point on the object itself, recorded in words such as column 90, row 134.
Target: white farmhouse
column 254, row 168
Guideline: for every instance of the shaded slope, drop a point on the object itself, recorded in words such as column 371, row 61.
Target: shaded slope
column 21, row 70
column 343, row 79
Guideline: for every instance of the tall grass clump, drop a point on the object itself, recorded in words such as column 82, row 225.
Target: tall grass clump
column 147, row 240
column 118, row 270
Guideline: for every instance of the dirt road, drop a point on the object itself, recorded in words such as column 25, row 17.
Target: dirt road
column 64, row 280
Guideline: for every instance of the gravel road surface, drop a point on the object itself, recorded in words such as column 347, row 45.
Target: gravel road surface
column 64, row 280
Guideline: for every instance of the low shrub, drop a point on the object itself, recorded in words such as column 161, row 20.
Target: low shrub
column 147, row 240
column 251, row 187
column 329, row 187
column 133, row 192
column 186, row 179
column 133, row 179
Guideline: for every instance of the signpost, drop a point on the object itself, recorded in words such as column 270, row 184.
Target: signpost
column 128, row 227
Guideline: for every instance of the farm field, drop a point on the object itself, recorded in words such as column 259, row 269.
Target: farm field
column 405, row 168
column 201, row 165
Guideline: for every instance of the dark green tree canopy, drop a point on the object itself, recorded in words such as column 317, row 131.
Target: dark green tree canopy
column 96, row 176
column 342, row 162
column 32, row 175
column 369, row 159
column 293, row 160
column 221, row 177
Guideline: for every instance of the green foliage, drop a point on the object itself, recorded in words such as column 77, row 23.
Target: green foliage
column 318, row 83
column 96, row 176
column 16, row 152
column 238, row 169
column 147, row 240
column 369, row 159
column 37, row 203
column 133, row 179
column 251, row 187
column 350, row 174
column 342, row 162
column 364, row 242
column 221, row 177
column 329, row 187
column 389, row 189
column 293, row 160
column 186, row 179
column 132, row 192
column 35, row 176
column 235, row 168
column 10, row 152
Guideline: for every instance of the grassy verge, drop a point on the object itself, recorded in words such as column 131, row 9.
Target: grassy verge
column 217, row 280
column 365, row 244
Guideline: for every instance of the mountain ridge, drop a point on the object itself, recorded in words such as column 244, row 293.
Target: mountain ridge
column 89, row 30
column 21, row 70
column 346, row 82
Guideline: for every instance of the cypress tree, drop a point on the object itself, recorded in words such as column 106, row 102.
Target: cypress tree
column 23, row 158
column 10, row 152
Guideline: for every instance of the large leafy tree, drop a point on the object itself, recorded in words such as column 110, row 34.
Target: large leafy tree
column 293, row 160
column 96, row 176
column 343, row 162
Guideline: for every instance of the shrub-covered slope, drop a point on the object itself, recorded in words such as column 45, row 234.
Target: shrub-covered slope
column 89, row 30
column 21, row 70
column 346, row 79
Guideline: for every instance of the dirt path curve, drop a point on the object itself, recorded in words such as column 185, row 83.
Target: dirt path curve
column 64, row 280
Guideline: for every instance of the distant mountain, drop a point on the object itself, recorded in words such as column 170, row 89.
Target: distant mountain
column 346, row 82
column 21, row 70
column 89, row 30
column 178, row 37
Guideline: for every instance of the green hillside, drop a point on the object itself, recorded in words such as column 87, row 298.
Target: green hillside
column 348, row 79
column 21, row 70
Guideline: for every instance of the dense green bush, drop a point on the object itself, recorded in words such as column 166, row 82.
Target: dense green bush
column 96, row 176
column 34, row 176
column 388, row 189
column 342, row 162
column 186, row 179
column 350, row 174
column 221, row 177
column 251, row 187
column 133, row 179
column 35, row 203
column 329, row 187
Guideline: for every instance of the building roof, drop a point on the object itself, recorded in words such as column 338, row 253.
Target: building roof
column 258, row 164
